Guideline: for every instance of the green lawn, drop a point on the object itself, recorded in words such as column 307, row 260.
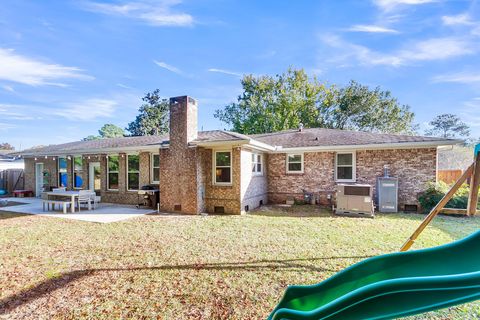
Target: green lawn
column 192, row 267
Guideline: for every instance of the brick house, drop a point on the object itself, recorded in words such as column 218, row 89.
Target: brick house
column 222, row 171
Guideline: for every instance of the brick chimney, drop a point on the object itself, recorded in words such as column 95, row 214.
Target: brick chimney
column 179, row 162
column 183, row 121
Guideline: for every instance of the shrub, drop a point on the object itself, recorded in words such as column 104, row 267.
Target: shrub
column 435, row 192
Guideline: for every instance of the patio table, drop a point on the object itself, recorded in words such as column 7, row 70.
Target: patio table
column 71, row 194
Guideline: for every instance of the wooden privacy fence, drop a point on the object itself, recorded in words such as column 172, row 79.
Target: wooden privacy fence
column 449, row 176
column 12, row 179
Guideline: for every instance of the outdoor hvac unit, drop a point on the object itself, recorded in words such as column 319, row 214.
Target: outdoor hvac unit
column 387, row 192
column 354, row 200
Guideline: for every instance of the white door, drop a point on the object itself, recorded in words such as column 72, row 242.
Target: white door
column 38, row 179
column 94, row 176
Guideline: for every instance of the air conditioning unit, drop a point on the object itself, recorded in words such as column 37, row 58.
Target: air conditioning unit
column 354, row 200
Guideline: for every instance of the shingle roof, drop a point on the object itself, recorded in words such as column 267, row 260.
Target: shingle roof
column 317, row 137
column 125, row 142
column 219, row 135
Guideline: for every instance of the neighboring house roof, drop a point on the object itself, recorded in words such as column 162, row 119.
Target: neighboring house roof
column 455, row 158
column 318, row 138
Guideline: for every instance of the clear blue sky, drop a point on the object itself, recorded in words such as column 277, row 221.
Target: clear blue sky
column 68, row 67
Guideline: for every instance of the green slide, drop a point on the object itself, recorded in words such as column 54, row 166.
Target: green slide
column 391, row 286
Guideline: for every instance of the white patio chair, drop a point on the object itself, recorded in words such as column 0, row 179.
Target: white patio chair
column 85, row 196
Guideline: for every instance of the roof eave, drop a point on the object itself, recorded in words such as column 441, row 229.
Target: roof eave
column 376, row 146
column 146, row 148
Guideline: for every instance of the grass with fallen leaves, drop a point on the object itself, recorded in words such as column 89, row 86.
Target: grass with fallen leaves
column 193, row 267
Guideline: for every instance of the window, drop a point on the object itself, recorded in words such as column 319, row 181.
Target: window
column 223, row 167
column 112, row 172
column 295, row 163
column 77, row 171
column 345, row 167
column 257, row 167
column 133, row 172
column 62, row 172
column 155, row 168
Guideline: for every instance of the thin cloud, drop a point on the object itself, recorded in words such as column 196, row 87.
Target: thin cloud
column 124, row 86
column 460, row 77
column 371, row 29
column 227, row 72
column 426, row 50
column 460, row 19
column 389, row 5
column 7, row 126
column 168, row 67
column 88, row 110
column 8, row 88
column 159, row 13
column 25, row 70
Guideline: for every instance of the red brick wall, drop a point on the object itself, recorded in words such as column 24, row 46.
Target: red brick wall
column 178, row 163
column 225, row 196
column 413, row 167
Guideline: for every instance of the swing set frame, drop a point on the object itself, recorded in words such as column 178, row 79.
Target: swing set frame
column 472, row 172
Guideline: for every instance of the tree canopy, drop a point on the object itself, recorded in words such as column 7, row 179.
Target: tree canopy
column 107, row 131
column 6, row 146
column 270, row 104
column 448, row 125
column 153, row 117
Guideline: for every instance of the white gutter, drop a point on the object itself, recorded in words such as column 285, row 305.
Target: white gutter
column 376, row 146
column 92, row 151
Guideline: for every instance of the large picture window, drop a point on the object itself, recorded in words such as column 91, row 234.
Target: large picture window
column 155, row 168
column 295, row 163
column 62, row 172
column 223, row 167
column 133, row 172
column 77, row 172
column 257, row 164
column 112, row 173
column 345, row 167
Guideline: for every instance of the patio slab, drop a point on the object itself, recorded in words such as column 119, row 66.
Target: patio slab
column 105, row 213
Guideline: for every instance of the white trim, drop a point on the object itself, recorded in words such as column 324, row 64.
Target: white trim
column 91, row 175
column 255, row 155
column 214, row 167
column 38, row 191
column 379, row 146
column 73, row 172
column 354, row 166
column 58, row 170
column 302, row 162
column 127, row 171
column 152, row 167
column 108, row 171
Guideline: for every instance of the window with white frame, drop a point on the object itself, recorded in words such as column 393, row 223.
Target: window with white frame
column 133, row 172
column 345, row 167
column 223, row 167
column 112, row 172
column 77, row 171
column 257, row 165
column 62, row 172
column 295, row 163
column 155, row 161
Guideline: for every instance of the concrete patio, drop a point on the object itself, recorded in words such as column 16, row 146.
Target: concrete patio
column 105, row 213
